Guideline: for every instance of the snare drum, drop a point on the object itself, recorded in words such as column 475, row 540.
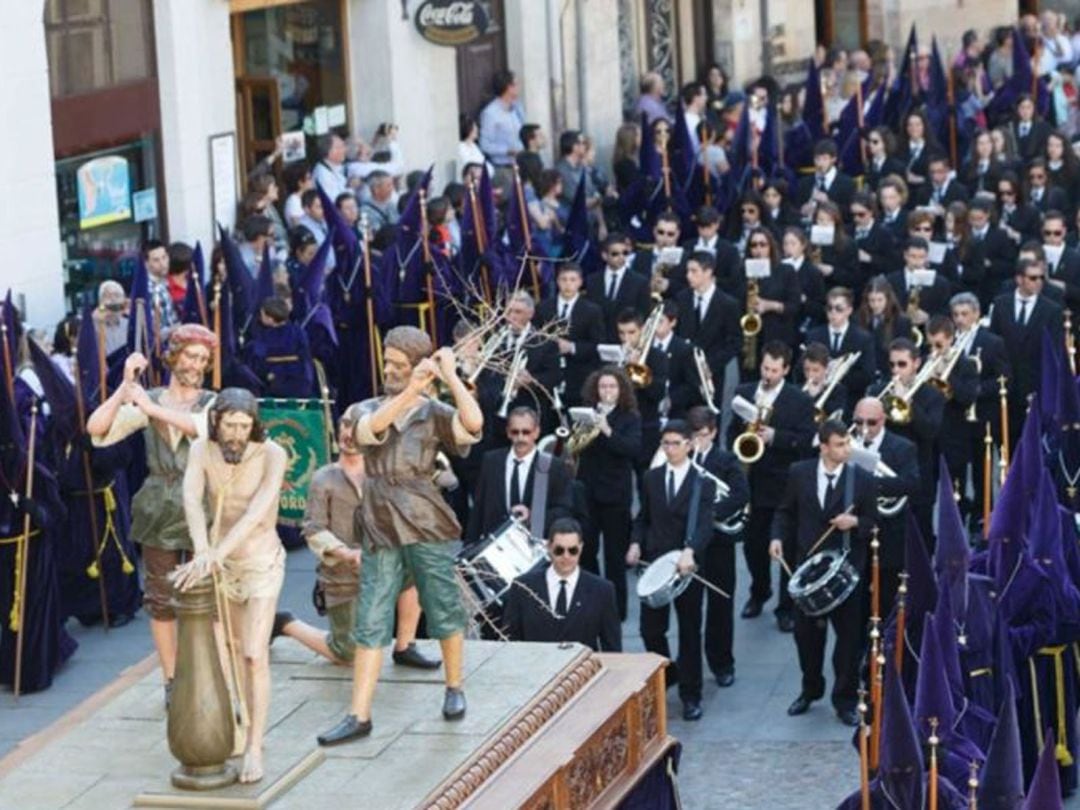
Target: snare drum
column 823, row 582
column 492, row 565
column 660, row 583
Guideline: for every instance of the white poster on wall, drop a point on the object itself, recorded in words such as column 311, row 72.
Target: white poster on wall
column 223, row 179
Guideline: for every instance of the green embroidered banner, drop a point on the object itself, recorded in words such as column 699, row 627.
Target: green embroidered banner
column 299, row 426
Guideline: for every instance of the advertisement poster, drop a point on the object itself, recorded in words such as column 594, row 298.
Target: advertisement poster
column 104, row 189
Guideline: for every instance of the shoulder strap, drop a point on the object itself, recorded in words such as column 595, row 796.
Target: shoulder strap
column 849, row 500
column 692, row 515
column 538, row 512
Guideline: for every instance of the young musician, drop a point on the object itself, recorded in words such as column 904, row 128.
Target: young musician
column 827, row 495
column 617, row 288
column 606, row 468
column 676, row 514
column 843, row 336
column 649, row 397
column 815, row 370
column 719, row 564
column 709, row 317
column 786, row 433
column 584, row 321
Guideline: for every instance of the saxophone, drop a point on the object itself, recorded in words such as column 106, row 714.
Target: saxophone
column 750, row 323
column 913, row 306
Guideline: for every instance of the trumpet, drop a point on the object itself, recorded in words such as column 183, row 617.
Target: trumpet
column 914, row 304
column 836, row 372
column 750, row 323
column 749, row 446
column 638, row 371
column 705, row 380
column 517, row 365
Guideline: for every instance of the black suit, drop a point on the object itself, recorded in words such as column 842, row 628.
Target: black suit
column 1051, row 198
column 978, row 180
column 662, row 526
column 585, row 331
column 782, row 285
column 840, row 191
column 1067, row 270
column 719, row 564
column 954, row 191
column 631, row 293
column 901, row 456
column 800, row 521
column 875, row 174
column 542, row 362
column 883, row 334
column 1023, row 346
column 954, row 441
column 878, row 242
column 649, row 398
column 606, row 467
column 812, row 288
column 491, row 507
column 992, row 259
column 917, row 163
column 591, row 620
column 728, row 264
column 987, row 352
column 1024, row 218
column 792, row 419
column 927, row 411
column 1031, row 145
column 855, row 340
column 933, row 300
column 645, row 264
column 718, row 334
column 683, row 382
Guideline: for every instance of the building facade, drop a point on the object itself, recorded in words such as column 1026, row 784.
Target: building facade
column 134, row 119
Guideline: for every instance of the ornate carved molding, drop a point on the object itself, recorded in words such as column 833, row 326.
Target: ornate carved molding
column 490, row 758
column 661, row 25
column 628, row 65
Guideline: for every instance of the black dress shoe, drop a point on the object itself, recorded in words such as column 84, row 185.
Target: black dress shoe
column 281, row 620
column 849, row 717
column 725, row 677
column 691, row 710
column 412, row 657
column 800, row 705
column 785, row 622
column 453, row 707
column 752, row 609
column 350, row 728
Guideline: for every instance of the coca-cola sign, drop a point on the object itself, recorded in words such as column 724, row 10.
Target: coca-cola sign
column 451, row 22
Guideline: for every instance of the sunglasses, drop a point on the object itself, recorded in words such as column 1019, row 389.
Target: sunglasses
column 519, row 432
column 618, row 253
column 759, row 243
column 573, row 551
column 1036, row 177
column 1039, row 277
column 837, row 307
column 1004, row 192
column 1053, row 233
column 867, row 422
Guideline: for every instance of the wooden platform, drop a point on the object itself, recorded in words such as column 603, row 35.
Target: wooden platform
column 547, row 727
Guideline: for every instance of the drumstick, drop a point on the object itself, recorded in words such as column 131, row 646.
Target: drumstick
column 827, row 533
column 783, row 564
column 709, row 585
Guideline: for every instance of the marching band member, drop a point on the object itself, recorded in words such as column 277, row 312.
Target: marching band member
column 786, row 434
column 649, row 396
column 815, row 372
column 719, row 564
column 616, row 288
column 709, row 317
column 584, row 321
column 821, row 494
column 897, row 477
column 683, row 382
column 676, row 513
column 842, row 336
column 606, row 467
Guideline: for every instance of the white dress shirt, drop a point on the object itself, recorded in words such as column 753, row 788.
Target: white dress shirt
column 563, row 303
column 768, row 398
column 875, row 443
column 841, row 332
column 523, row 471
column 703, row 299
column 680, row 475
column 823, row 481
column 707, row 245
column 553, row 580
column 1017, row 301
column 609, row 274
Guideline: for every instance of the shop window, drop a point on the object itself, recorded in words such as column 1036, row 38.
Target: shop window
column 97, row 44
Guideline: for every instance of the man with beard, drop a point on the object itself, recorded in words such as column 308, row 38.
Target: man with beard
column 170, row 418
column 240, row 472
column 405, row 522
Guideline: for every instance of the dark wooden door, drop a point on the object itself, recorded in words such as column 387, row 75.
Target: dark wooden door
column 480, row 60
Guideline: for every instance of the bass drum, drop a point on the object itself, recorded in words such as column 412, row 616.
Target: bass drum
column 823, row 582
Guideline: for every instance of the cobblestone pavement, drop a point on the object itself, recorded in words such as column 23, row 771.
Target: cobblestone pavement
column 745, row 754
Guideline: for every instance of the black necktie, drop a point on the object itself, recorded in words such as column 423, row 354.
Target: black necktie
column 670, row 486
column 612, row 283
column 1022, row 320
column 560, row 600
column 515, row 484
column 699, row 310
column 868, row 443
column 829, row 488
column 565, row 311
column 821, row 183
column 836, row 342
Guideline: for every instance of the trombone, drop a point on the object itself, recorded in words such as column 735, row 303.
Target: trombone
column 838, row 369
column 638, row 371
column 950, row 358
column 898, row 407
